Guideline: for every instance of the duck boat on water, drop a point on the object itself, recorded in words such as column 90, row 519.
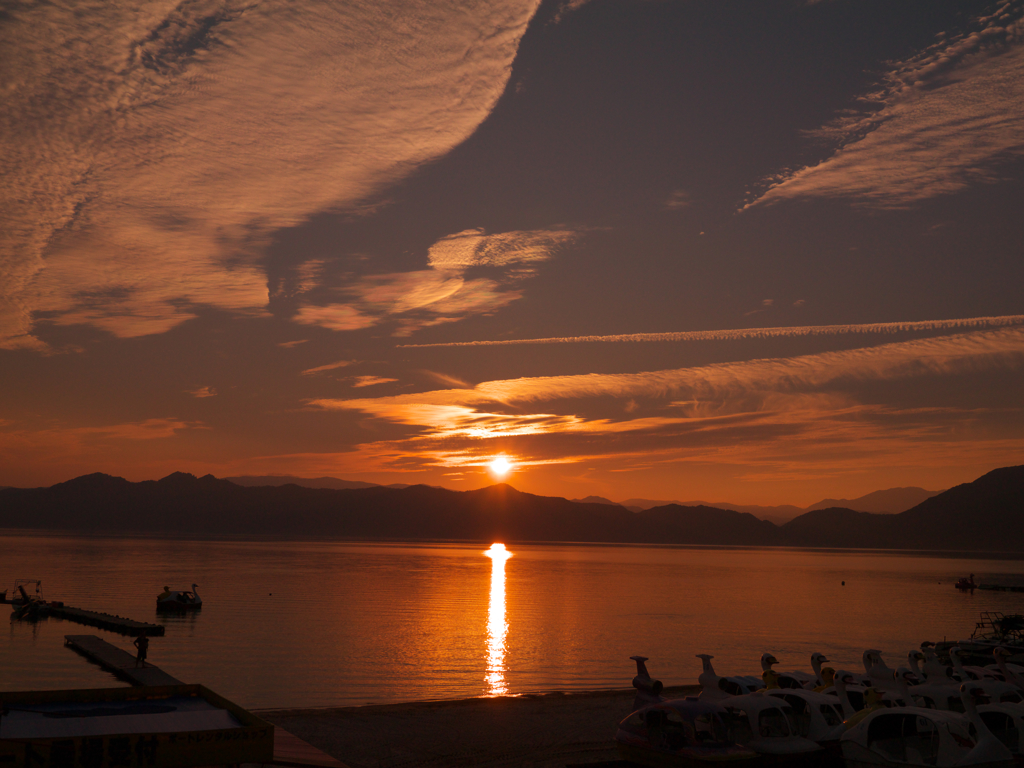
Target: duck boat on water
column 179, row 600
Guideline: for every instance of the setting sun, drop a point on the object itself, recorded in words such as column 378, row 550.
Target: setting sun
column 500, row 466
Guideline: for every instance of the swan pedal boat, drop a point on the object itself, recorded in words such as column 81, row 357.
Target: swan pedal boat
column 680, row 732
column 179, row 600
column 911, row 736
column 765, row 724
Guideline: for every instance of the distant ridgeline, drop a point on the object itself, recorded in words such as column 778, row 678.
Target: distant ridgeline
column 986, row 515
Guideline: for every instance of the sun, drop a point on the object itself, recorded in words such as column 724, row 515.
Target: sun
column 500, row 466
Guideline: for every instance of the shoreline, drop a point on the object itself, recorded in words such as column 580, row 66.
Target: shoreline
column 543, row 730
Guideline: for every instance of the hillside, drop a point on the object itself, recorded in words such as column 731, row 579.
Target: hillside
column 890, row 501
column 306, row 482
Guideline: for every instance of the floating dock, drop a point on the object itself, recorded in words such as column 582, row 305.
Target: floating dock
column 1000, row 588
column 118, row 661
column 107, row 621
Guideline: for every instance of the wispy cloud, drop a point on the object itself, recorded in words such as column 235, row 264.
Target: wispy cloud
column 150, row 148
column 33, row 451
column 756, row 333
column 371, row 381
column 444, row 292
column 941, row 121
column 800, row 411
column 72, row 439
column 934, row 356
column 328, row 367
column 677, row 200
column 202, row 392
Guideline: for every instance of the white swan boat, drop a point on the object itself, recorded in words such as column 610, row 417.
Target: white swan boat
column 816, row 716
column 682, row 732
column 916, row 736
column 764, row 724
column 761, row 722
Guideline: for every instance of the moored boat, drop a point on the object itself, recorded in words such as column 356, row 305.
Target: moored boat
column 28, row 606
column 179, row 600
column 966, row 583
column 992, row 629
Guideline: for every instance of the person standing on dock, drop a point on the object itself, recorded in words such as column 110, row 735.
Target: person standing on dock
column 142, row 643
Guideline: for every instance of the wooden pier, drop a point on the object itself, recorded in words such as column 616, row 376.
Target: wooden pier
column 120, row 662
column 107, row 621
column 1000, row 588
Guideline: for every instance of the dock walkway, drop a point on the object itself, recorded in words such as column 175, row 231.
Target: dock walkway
column 118, row 661
column 107, row 621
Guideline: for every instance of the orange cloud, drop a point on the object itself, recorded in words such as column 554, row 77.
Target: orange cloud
column 806, row 408
column 337, row 317
column 328, row 367
column 370, row 381
column 442, row 293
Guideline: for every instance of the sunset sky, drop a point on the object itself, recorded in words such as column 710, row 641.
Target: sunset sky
column 759, row 251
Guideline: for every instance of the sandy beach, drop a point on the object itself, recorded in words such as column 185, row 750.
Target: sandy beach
column 537, row 730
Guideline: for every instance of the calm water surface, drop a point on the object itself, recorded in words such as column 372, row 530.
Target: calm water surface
column 297, row 624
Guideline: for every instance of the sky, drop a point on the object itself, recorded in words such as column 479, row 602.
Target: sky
column 756, row 251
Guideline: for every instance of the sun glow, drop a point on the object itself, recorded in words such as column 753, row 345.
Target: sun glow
column 500, row 467
column 497, row 626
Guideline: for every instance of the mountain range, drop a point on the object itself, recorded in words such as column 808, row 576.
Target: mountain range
column 307, row 482
column 888, row 501
column 985, row 515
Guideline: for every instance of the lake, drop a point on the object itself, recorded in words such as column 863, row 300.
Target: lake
column 315, row 624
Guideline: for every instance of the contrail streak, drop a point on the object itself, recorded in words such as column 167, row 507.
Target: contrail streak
column 754, row 333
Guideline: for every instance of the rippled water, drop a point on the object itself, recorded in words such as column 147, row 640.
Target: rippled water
column 289, row 624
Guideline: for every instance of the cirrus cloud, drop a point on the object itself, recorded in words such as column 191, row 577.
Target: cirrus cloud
column 943, row 120
column 151, row 148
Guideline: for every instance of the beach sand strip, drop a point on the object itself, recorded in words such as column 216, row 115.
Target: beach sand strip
column 533, row 731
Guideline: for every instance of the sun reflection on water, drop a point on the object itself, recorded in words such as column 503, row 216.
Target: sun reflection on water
column 497, row 626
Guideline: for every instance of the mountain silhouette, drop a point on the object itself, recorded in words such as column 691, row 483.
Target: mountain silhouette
column 985, row 515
